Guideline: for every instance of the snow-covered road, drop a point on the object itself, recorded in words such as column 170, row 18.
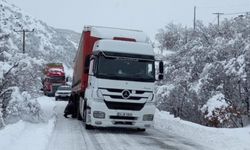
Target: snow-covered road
column 70, row 134
column 170, row 133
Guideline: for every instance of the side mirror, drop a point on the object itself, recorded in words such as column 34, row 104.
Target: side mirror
column 161, row 67
column 161, row 70
column 67, row 79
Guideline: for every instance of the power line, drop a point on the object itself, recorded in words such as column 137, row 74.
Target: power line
column 237, row 13
column 218, row 17
column 205, row 6
column 24, row 33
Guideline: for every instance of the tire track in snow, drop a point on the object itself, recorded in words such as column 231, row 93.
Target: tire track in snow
column 71, row 134
column 124, row 139
column 67, row 132
column 90, row 140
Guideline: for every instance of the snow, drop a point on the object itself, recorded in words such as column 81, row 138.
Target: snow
column 56, row 70
column 124, row 47
column 164, row 90
column 30, row 136
column 26, row 136
column 61, row 133
column 211, row 138
column 48, row 106
column 217, row 101
column 4, row 67
column 196, row 86
column 68, row 71
column 110, row 33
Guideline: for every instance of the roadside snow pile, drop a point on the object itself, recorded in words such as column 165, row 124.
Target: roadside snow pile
column 47, row 106
column 22, row 107
column 30, row 136
column 212, row 138
column 26, row 136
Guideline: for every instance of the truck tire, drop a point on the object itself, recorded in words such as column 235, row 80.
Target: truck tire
column 141, row 129
column 87, row 126
column 56, row 98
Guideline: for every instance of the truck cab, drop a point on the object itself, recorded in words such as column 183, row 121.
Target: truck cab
column 54, row 76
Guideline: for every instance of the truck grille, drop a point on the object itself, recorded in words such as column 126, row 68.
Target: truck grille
column 132, row 95
column 120, row 90
column 130, row 98
column 124, row 106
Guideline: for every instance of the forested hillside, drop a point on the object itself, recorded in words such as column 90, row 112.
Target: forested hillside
column 207, row 78
column 20, row 73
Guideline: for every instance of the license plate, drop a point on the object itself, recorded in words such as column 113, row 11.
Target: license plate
column 124, row 114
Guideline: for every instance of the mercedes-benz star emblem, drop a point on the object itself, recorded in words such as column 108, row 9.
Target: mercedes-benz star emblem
column 125, row 94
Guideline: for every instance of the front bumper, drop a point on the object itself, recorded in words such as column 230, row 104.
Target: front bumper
column 113, row 117
column 62, row 94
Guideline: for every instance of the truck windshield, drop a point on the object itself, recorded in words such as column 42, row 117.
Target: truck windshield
column 56, row 79
column 126, row 69
column 64, row 88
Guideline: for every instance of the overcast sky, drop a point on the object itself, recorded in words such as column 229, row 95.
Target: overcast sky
column 147, row 15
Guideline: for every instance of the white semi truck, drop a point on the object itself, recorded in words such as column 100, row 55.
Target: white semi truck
column 114, row 78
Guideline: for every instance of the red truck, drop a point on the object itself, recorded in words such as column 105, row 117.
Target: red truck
column 114, row 78
column 54, row 76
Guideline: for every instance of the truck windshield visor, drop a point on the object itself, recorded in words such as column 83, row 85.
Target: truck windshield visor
column 124, row 68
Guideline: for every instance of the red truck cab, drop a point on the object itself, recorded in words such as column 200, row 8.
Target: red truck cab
column 54, row 76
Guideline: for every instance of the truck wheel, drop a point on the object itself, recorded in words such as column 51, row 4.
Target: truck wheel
column 141, row 129
column 87, row 126
column 56, row 98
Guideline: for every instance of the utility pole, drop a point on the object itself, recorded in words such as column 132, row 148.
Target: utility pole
column 218, row 17
column 1, row 7
column 194, row 18
column 24, row 33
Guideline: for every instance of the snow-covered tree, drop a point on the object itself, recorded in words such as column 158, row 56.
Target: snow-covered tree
column 20, row 74
column 211, row 60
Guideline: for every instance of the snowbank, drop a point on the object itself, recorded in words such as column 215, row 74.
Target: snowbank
column 30, row 136
column 26, row 136
column 212, row 138
column 22, row 107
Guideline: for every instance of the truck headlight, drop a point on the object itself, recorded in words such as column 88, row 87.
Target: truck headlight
column 99, row 114
column 99, row 94
column 148, row 117
column 151, row 97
